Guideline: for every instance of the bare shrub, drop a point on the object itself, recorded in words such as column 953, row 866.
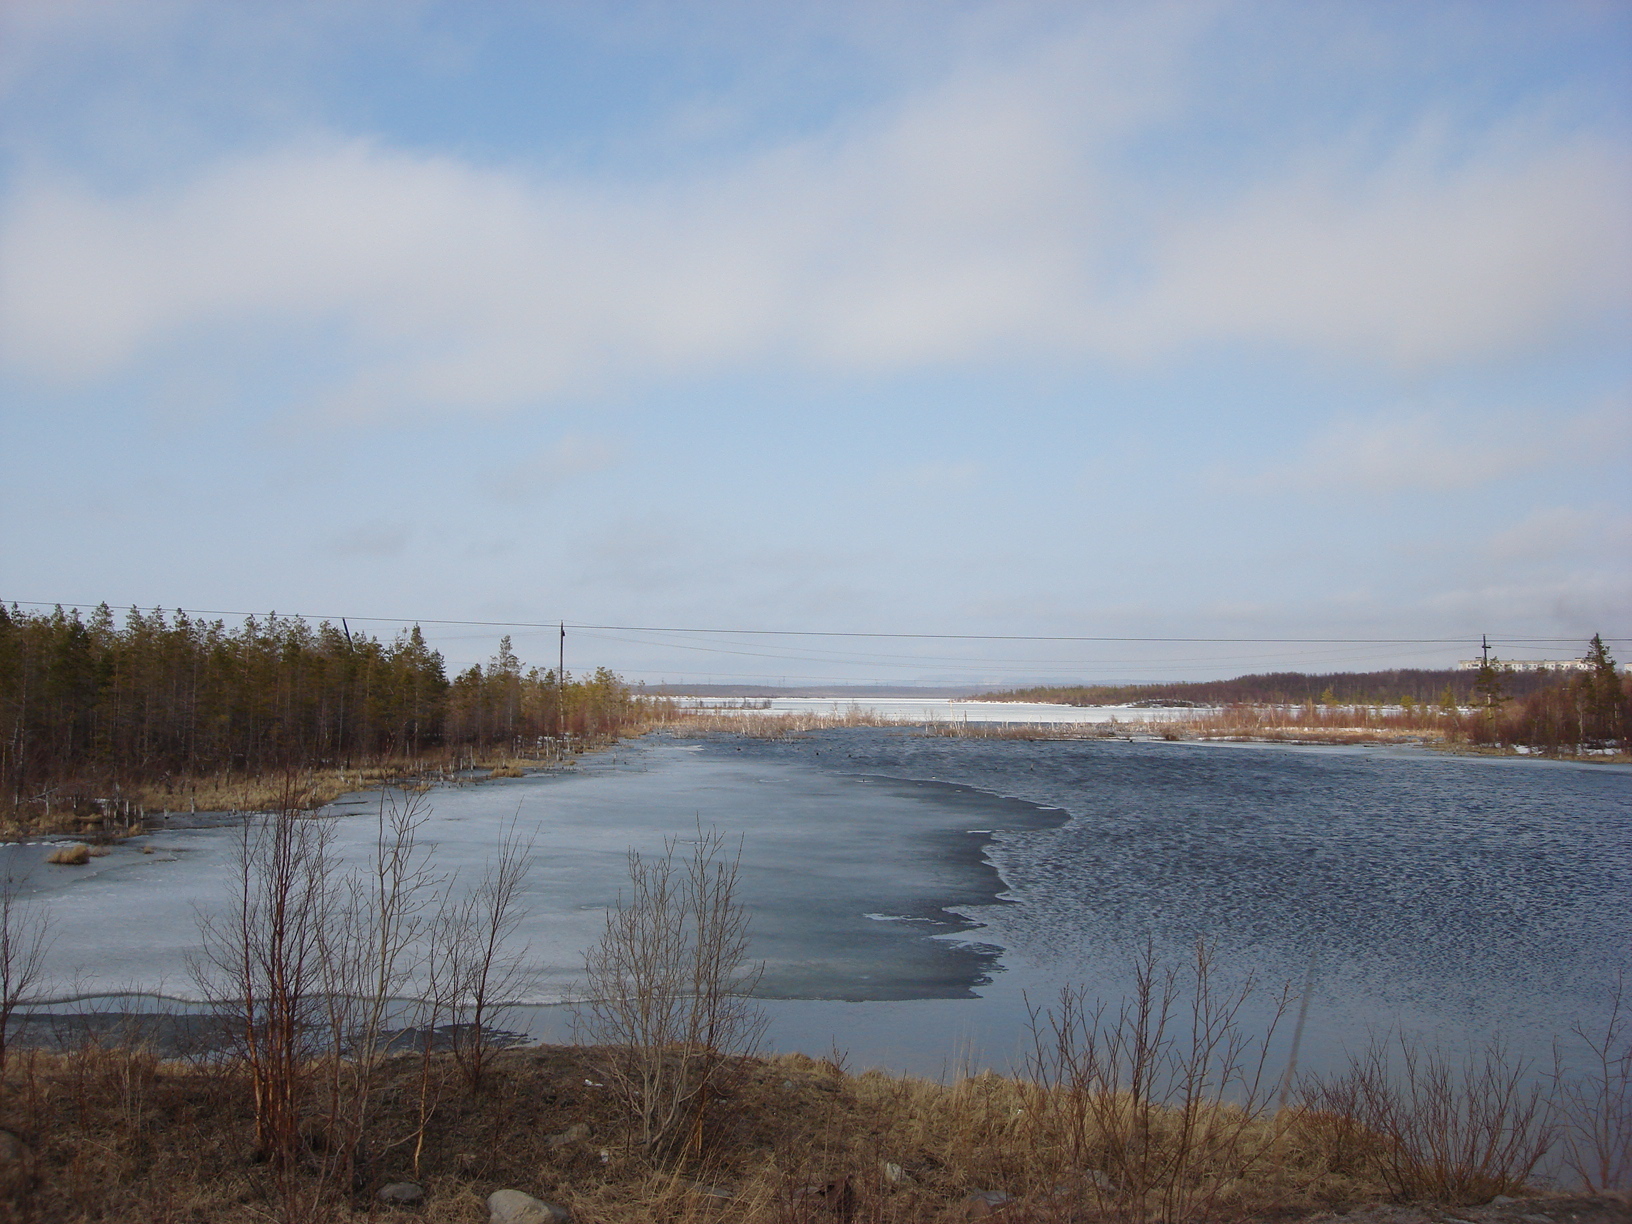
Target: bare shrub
column 378, row 915
column 476, row 973
column 1595, row 1105
column 261, row 964
column 25, row 938
column 1455, row 1132
column 1150, row 1110
column 304, row 968
column 668, row 992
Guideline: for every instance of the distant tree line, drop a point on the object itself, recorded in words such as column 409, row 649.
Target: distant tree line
column 1551, row 711
column 1418, row 686
column 1591, row 709
column 158, row 696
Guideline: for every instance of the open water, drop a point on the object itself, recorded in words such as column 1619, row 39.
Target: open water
column 913, row 896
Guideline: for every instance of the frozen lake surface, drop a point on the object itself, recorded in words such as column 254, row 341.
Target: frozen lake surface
column 910, row 893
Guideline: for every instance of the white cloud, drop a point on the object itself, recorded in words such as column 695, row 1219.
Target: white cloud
column 1420, row 452
column 1585, row 601
column 965, row 221
column 1544, row 534
column 541, row 473
column 377, row 538
column 1425, row 259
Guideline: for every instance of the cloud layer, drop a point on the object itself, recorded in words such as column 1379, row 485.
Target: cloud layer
column 995, row 212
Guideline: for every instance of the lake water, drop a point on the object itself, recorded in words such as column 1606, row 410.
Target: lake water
column 911, row 894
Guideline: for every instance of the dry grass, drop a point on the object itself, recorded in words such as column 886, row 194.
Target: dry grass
column 1324, row 724
column 236, row 792
column 76, row 855
column 77, row 810
column 764, row 725
column 114, row 1130
column 1289, row 724
column 1155, row 1111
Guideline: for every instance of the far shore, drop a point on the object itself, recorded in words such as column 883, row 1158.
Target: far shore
column 126, row 815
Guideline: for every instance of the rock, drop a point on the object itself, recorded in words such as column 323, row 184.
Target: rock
column 713, row 1192
column 895, row 1175
column 514, row 1207
column 836, row 1196
column 1501, row 1200
column 401, row 1194
column 983, row 1204
column 576, row 1133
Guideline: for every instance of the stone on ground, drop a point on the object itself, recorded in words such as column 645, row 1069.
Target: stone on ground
column 514, row 1207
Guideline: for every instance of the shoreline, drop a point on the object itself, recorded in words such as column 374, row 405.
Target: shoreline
column 95, row 1132
column 315, row 789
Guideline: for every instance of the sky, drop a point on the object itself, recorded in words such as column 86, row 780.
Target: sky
column 1296, row 334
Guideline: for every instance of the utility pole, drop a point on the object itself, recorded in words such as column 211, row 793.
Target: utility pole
column 561, row 683
column 1484, row 645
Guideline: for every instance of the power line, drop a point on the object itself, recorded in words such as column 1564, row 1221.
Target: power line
column 853, row 633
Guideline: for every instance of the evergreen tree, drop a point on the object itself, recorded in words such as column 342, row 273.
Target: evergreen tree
column 1490, row 693
column 1603, row 696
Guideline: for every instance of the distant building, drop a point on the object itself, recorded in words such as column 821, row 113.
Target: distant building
column 1530, row 665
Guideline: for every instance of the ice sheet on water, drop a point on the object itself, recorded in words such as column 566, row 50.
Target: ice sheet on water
column 817, row 855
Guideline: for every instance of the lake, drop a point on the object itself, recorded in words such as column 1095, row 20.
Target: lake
column 911, row 895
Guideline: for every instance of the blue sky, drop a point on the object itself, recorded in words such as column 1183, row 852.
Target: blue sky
column 1233, row 321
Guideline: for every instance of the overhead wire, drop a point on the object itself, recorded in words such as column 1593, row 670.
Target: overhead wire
column 1504, row 639
column 799, row 646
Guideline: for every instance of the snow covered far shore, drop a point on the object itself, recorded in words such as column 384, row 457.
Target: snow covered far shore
column 909, row 709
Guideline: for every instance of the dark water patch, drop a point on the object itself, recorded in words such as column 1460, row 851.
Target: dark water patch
column 1416, row 884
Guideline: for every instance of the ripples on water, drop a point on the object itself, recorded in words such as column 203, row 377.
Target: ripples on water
column 1427, row 890
column 1449, row 896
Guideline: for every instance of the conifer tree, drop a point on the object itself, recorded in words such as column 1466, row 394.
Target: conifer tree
column 1602, row 695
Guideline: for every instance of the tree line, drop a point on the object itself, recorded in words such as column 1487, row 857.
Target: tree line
column 1552, row 711
column 90, row 698
column 1400, row 686
column 1590, row 709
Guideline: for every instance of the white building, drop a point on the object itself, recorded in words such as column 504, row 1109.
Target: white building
column 1530, row 665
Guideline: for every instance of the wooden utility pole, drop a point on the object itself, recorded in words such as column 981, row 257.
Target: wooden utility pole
column 561, row 683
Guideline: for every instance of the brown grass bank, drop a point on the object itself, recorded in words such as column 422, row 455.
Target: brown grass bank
column 118, row 1134
column 105, row 810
